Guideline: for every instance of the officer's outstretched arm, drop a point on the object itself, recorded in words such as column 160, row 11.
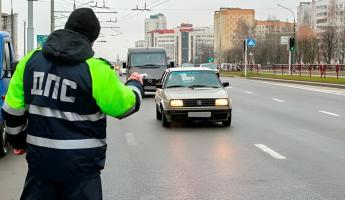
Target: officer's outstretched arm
column 14, row 108
column 112, row 96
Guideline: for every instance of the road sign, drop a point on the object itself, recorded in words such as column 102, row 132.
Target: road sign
column 210, row 60
column 251, row 42
column 41, row 40
column 284, row 40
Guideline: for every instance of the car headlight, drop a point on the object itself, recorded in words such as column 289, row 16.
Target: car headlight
column 222, row 102
column 176, row 103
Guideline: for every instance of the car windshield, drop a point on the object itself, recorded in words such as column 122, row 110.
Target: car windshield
column 193, row 79
column 148, row 59
column 187, row 65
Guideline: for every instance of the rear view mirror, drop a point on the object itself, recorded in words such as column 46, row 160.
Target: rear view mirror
column 124, row 65
column 226, row 84
column 159, row 85
column 172, row 64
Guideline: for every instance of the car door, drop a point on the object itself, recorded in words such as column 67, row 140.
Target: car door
column 159, row 92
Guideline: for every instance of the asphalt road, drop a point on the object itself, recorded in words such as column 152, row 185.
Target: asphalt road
column 286, row 142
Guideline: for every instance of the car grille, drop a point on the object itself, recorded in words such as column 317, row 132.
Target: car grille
column 198, row 102
column 152, row 82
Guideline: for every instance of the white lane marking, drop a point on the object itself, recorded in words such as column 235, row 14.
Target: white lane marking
column 130, row 139
column 329, row 113
column 150, row 197
column 306, row 88
column 279, row 100
column 270, row 152
column 249, row 92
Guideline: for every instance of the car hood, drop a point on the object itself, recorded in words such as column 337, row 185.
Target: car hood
column 151, row 72
column 197, row 93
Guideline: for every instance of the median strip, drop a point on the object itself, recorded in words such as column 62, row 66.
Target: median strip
column 270, row 152
column 279, row 100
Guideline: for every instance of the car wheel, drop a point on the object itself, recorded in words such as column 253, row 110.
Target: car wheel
column 158, row 114
column 227, row 123
column 3, row 142
column 165, row 122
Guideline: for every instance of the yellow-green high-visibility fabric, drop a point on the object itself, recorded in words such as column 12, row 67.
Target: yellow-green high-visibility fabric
column 113, row 97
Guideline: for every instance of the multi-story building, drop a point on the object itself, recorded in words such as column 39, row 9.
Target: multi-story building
column 321, row 14
column 231, row 27
column 141, row 44
column 185, row 43
column 264, row 28
column 155, row 22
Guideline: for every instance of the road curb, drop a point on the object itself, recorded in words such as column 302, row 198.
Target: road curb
column 338, row 86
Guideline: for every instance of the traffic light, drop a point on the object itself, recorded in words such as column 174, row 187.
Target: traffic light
column 292, row 44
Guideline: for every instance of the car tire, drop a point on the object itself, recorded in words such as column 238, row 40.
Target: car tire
column 158, row 114
column 227, row 123
column 165, row 122
column 4, row 146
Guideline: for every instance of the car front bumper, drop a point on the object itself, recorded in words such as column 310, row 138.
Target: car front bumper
column 217, row 115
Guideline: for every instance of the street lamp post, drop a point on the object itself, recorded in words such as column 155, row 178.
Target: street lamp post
column 294, row 34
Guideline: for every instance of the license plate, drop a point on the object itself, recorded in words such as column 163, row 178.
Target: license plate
column 199, row 114
column 150, row 88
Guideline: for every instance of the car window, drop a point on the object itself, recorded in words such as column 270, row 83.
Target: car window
column 148, row 59
column 6, row 62
column 192, row 79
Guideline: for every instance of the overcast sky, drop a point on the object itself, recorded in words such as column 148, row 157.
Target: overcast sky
column 131, row 23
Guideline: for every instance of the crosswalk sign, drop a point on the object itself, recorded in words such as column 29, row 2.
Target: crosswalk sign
column 251, row 42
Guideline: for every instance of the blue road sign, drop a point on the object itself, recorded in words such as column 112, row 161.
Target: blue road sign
column 41, row 40
column 251, row 42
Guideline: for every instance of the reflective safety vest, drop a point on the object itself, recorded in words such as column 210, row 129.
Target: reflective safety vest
column 58, row 113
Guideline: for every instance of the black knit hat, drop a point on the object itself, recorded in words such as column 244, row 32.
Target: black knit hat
column 85, row 22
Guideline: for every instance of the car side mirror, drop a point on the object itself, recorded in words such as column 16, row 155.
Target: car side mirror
column 159, row 85
column 172, row 64
column 226, row 84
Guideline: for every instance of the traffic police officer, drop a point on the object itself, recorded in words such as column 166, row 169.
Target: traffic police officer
column 55, row 110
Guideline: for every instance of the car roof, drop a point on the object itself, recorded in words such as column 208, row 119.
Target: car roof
column 180, row 69
column 4, row 34
column 139, row 50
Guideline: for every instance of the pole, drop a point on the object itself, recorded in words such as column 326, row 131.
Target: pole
column 245, row 58
column 24, row 38
column 290, row 59
column 74, row 5
column 30, row 38
column 12, row 24
column 52, row 17
column 220, row 36
column 0, row 15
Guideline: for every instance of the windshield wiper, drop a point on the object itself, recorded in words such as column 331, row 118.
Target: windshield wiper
column 176, row 86
column 202, row 86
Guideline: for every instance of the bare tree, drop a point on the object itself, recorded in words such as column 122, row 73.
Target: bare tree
column 307, row 45
column 329, row 43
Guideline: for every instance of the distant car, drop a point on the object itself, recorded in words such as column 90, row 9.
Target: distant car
column 149, row 61
column 192, row 94
column 187, row 65
column 213, row 67
column 122, row 71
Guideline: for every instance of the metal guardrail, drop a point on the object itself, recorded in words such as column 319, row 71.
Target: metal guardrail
column 321, row 70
